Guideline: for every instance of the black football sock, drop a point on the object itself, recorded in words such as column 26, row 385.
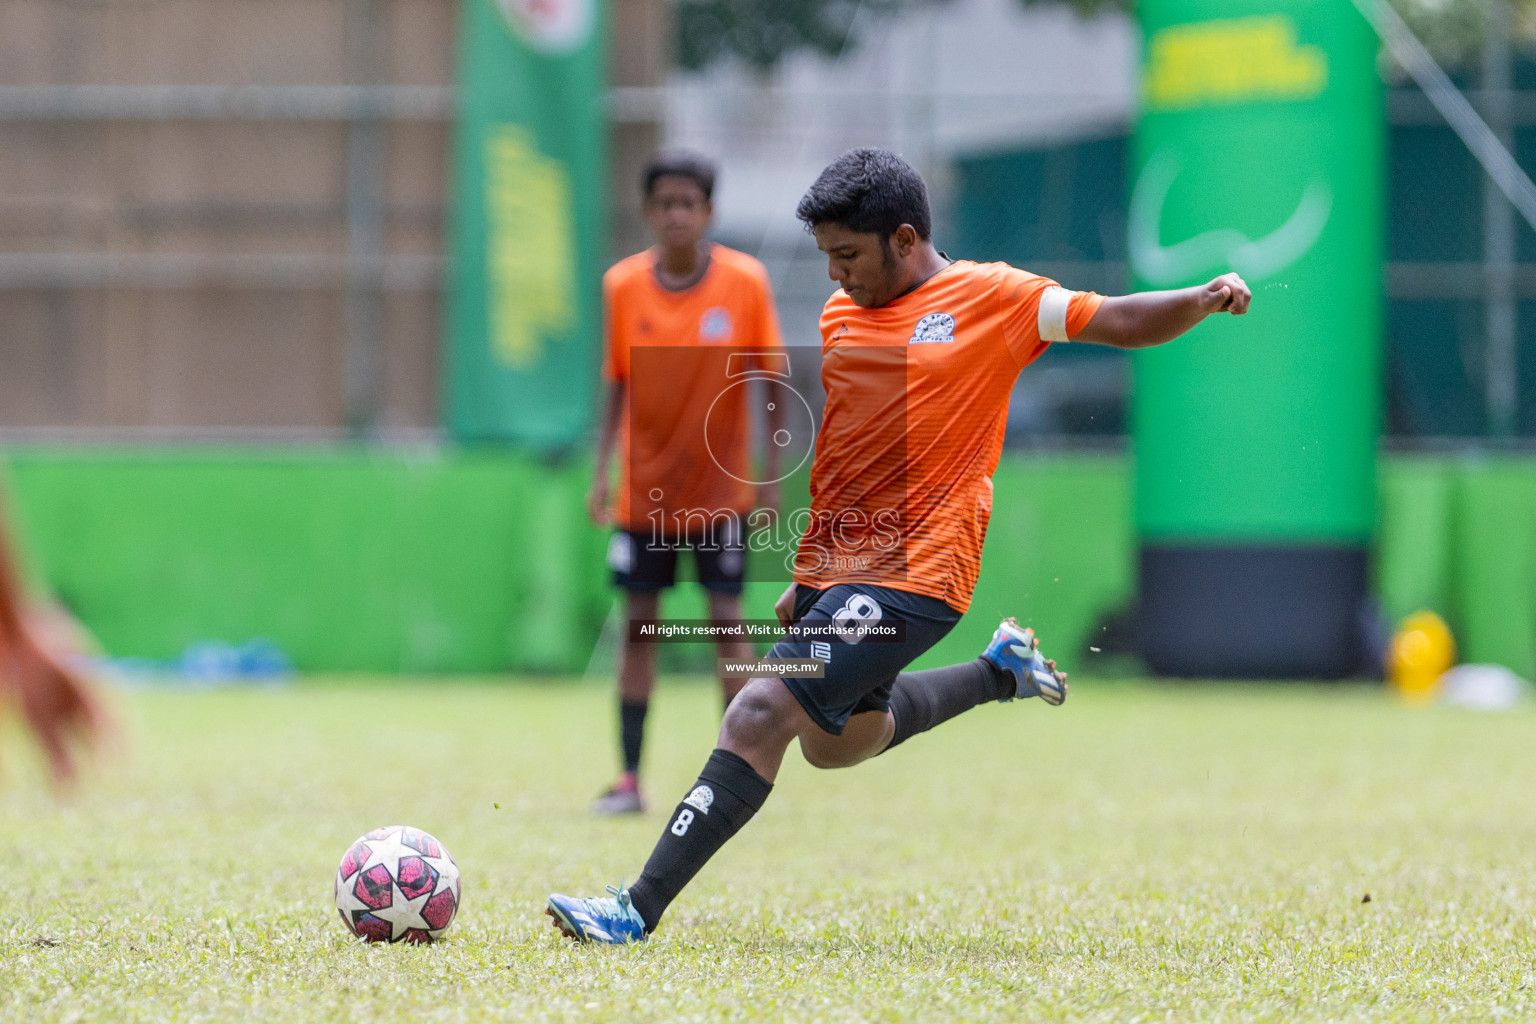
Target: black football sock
column 922, row 700
column 632, row 731
column 728, row 793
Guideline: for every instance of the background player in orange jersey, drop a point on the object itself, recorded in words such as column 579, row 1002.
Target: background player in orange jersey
column 56, row 703
column 680, row 318
column 920, row 353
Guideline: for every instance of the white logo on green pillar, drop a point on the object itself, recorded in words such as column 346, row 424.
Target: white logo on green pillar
column 1259, row 148
column 530, row 259
column 1223, row 248
column 1224, row 62
column 553, row 26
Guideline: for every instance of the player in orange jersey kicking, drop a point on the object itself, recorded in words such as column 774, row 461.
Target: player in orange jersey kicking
column 55, row 701
column 920, row 353
column 681, row 316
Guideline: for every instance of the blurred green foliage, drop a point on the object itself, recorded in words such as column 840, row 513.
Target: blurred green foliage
column 760, row 33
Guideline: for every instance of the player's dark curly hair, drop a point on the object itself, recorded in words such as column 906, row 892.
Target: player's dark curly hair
column 868, row 190
column 682, row 164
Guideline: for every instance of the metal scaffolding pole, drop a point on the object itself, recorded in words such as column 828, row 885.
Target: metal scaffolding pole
column 225, row 102
column 363, row 364
column 32, row 271
column 1502, row 369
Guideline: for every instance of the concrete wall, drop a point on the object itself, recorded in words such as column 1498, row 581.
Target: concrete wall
column 197, row 276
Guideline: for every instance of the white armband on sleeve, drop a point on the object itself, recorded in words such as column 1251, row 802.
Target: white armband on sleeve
column 1053, row 313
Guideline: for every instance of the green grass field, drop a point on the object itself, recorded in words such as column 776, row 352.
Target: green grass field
column 1170, row 853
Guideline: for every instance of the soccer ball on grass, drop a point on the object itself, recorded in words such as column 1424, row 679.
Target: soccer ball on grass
column 397, row 884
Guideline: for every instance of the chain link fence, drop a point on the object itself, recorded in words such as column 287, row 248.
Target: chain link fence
column 252, row 247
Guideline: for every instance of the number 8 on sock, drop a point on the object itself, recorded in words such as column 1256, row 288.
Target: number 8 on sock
column 684, row 819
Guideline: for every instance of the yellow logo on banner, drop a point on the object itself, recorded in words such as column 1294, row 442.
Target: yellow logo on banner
column 530, row 258
column 1231, row 61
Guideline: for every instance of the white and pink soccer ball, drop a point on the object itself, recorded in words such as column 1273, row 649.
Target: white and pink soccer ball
column 397, row 884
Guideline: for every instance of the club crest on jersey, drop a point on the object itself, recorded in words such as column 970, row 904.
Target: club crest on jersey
column 715, row 324
column 701, row 797
column 935, row 328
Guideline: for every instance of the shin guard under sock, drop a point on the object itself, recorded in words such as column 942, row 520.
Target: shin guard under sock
column 922, row 700
column 728, row 793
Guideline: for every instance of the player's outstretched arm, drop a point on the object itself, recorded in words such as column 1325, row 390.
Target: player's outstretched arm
column 1152, row 318
column 58, row 705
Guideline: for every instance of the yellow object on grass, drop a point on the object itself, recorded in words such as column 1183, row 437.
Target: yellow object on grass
column 1422, row 650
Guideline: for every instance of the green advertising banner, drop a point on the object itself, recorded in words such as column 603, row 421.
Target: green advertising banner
column 1260, row 150
column 523, row 311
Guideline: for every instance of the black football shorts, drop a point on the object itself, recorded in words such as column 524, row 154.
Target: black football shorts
column 859, row 672
column 642, row 565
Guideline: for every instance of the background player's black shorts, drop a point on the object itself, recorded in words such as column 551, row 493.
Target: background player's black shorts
column 859, row 675
column 641, row 566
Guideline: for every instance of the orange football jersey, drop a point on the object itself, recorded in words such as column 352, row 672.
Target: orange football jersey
column 685, row 426
column 917, row 402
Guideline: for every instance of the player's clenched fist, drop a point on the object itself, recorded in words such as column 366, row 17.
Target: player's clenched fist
column 1226, row 294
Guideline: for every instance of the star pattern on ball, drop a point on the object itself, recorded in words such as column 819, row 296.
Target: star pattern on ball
column 389, row 851
column 405, row 914
column 346, row 899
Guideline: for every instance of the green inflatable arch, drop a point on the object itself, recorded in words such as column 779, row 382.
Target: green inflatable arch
column 1259, row 149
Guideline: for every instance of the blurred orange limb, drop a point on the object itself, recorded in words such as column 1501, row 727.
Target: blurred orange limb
column 61, row 709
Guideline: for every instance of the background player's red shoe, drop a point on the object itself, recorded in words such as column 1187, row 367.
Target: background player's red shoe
column 622, row 798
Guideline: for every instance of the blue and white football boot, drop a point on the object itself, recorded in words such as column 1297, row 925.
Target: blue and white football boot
column 1015, row 650
column 610, row 919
